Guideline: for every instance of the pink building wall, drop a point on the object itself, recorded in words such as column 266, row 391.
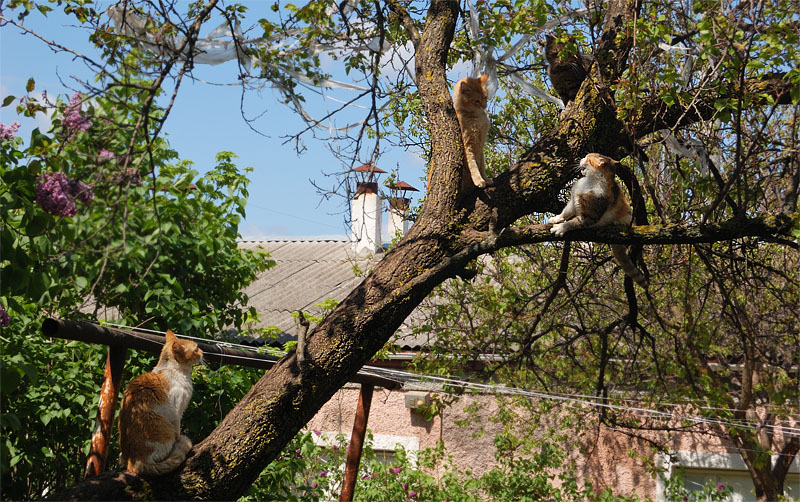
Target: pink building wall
column 600, row 455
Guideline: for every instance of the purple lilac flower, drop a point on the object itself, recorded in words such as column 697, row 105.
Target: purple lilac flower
column 106, row 154
column 720, row 487
column 5, row 319
column 56, row 194
column 53, row 193
column 317, row 432
column 8, row 131
column 323, row 474
column 73, row 119
column 396, row 470
column 412, row 494
column 335, row 447
column 314, row 485
column 366, row 477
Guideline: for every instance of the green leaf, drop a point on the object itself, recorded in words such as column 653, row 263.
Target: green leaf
column 8, row 100
column 30, row 85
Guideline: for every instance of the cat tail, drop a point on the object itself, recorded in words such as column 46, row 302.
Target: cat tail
column 624, row 261
column 474, row 160
column 175, row 458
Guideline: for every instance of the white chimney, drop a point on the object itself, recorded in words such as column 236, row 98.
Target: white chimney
column 398, row 211
column 398, row 208
column 365, row 214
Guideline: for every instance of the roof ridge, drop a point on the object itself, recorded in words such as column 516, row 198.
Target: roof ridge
column 301, row 239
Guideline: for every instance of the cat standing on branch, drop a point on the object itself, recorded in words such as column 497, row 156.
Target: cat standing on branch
column 150, row 437
column 597, row 200
column 469, row 99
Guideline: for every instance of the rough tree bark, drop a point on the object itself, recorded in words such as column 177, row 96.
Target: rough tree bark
column 451, row 230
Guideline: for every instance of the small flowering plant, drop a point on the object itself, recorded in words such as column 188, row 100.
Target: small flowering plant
column 711, row 491
column 308, row 470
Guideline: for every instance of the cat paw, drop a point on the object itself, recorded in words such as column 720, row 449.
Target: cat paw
column 556, row 219
column 480, row 183
column 184, row 442
column 559, row 229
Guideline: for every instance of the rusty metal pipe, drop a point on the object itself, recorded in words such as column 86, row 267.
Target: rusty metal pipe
column 112, row 379
column 93, row 333
column 356, row 443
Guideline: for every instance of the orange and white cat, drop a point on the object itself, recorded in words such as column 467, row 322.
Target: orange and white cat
column 152, row 406
column 597, row 200
column 469, row 99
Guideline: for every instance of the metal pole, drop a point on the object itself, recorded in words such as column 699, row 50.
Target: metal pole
column 115, row 363
column 356, row 443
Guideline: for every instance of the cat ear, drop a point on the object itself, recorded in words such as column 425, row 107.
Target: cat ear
column 484, row 78
column 171, row 336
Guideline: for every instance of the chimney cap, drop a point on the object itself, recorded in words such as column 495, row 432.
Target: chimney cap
column 401, row 185
column 368, row 168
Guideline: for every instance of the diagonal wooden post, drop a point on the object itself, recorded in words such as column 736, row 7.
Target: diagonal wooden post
column 115, row 363
column 356, row 443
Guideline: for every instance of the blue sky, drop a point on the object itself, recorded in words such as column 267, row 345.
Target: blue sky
column 206, row 119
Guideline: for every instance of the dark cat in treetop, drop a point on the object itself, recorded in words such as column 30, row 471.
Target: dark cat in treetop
column 566, row 73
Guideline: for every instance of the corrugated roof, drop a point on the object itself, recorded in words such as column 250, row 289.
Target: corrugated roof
column 305, row 274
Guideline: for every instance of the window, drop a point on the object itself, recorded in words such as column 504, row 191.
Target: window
column 726, row 468
column 382, row 444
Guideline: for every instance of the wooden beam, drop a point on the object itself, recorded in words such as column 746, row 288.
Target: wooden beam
column 356, row 443
column 115, row 363
column 93, row 333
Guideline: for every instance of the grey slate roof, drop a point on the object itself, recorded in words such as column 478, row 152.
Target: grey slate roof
column 306, row 273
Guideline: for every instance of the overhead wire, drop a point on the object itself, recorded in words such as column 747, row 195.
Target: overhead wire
column 582, row 400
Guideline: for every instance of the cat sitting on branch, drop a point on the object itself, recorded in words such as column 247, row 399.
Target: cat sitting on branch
column 597, row 200
column 150, row 438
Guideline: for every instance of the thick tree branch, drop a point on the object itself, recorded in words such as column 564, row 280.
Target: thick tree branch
column 787, row 456
column 405, row 18
column 656, row 115
column 766, row 227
